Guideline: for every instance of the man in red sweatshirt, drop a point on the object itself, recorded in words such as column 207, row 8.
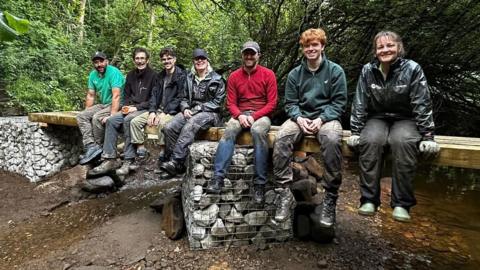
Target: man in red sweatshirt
column 251, row 99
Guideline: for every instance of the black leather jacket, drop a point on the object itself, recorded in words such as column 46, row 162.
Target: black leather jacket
column 172, row 92
column 214, row 96
column 403, row 95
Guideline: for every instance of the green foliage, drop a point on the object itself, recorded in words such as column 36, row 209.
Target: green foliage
column 11, row 26
column 53, row 58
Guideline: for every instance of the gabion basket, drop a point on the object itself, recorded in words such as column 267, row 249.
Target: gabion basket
column 230, row 218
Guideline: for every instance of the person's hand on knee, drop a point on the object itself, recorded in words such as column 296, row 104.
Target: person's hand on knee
column 353, row 141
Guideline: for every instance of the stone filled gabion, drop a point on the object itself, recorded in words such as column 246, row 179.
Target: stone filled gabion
column 35, row 152
column 230, row 218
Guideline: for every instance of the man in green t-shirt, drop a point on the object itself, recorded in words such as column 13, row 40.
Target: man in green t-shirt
column 106, row 82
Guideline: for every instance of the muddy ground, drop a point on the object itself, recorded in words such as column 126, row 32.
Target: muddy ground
column 51, row 225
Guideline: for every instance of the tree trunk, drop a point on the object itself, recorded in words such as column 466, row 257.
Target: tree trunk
column 81, row 21
column 152, row 23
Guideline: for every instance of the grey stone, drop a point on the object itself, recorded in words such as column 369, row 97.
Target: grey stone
column 208, row 199
column 224, row 210
column 240, row 186
column 234, row 216
column 239, row 159
column 244, row 231
column 249, row 169
column 256, row 218
column 198, row 170
column 270, row 197
column 198, row 232
column 208, row 174
column 197, row 193
column 219, row 229
column 207, row 216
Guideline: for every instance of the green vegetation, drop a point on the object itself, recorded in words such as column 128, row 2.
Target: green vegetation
column 47, row 69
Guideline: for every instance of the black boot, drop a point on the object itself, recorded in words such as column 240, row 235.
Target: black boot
column 215, row 185
column 327, row 215
column 285, row 205
column 258, row 194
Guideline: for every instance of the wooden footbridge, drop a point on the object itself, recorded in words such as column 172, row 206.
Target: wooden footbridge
column 461, row 152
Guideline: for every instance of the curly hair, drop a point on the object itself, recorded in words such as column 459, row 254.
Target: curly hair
column 313, row 34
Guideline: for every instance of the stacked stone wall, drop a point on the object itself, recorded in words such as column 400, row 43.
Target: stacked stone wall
column 36, row 152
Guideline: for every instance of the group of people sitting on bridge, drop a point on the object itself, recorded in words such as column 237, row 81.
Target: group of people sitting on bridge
column 391, row 107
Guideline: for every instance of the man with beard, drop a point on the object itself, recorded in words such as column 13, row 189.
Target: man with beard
column 200, row 109
column 138, row 90
column 251, row 99
column 107, row 82
column 315, row 98
column 164, row 103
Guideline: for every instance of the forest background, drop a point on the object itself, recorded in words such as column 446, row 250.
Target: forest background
column 47, row 68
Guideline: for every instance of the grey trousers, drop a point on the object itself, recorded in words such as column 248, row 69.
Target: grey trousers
column 329, row 136
column 116, row 124
column 402, row 137
column 180, row 133
column 90, row 123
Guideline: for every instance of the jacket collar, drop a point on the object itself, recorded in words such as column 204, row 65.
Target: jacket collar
column 323, row 64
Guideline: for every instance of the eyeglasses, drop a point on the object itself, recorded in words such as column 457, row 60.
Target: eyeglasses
column 140, row 58
column 168, row 59
column 198, row 59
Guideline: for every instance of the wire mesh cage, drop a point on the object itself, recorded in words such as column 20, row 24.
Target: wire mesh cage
column 230, row 218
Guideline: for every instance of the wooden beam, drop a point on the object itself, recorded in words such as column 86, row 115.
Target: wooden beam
column 455, row 151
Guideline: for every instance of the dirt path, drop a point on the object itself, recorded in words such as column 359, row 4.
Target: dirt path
column 49, row 226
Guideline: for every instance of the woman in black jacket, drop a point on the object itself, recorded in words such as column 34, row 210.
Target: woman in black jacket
column 392, row 106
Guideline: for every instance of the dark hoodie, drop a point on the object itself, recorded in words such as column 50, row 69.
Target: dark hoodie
column 167, row 98
column 138, row 88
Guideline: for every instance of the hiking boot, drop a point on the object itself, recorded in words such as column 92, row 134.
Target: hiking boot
column 259, row 194
column 327, row 215
column 400, row 214
column 215, row 185
column 142, row 152
column 92, row 152
column 125, row 169
column 285, row 204
column 106, row 166
column 367, row 209
column 172, row 167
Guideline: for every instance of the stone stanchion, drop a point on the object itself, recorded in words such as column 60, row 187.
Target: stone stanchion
column 35, row 152
column 230, row 218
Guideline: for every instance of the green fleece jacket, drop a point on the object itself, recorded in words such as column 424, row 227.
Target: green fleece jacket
column 322, row 93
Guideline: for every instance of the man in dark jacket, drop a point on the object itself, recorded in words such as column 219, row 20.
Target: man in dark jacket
column 315, row 98
column 164, row 103
column 138, row 90
column 200, row 109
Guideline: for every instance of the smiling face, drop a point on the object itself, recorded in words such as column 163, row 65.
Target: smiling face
column 141, row 60
column 313, row 50
column 200, row 63
column 100, row 64
column 250, row 58
column 168, row 61
column 387, row 50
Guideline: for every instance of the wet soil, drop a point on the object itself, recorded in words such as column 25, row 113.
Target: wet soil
column 53, row 225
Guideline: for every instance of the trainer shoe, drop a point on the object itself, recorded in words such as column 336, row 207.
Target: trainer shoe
column 367, row 209
column 400, row 214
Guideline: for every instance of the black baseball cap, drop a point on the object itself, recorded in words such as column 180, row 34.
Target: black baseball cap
column 100, row 55
column 199, row 53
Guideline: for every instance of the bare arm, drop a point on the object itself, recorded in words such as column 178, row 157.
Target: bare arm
column 115, row 100
column 90, row 99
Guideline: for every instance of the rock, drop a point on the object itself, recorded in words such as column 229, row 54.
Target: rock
column 219, row 229
column 98, row 185
column 270, row 197
column 207, row 200
column 249, row 169
column 239, row 159
column 210, row 242
column 224, row 210
column 207, row 216
column 197, row 193
column 239, row 187
column 234, row 216
column 256, row 218
column 197, row 232
column 244, row 231
column 322, row 263
column 208, row 174
column 198, row 170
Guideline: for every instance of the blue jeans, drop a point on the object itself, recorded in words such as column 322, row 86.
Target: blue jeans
column 114, row 125
column 226, row 147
